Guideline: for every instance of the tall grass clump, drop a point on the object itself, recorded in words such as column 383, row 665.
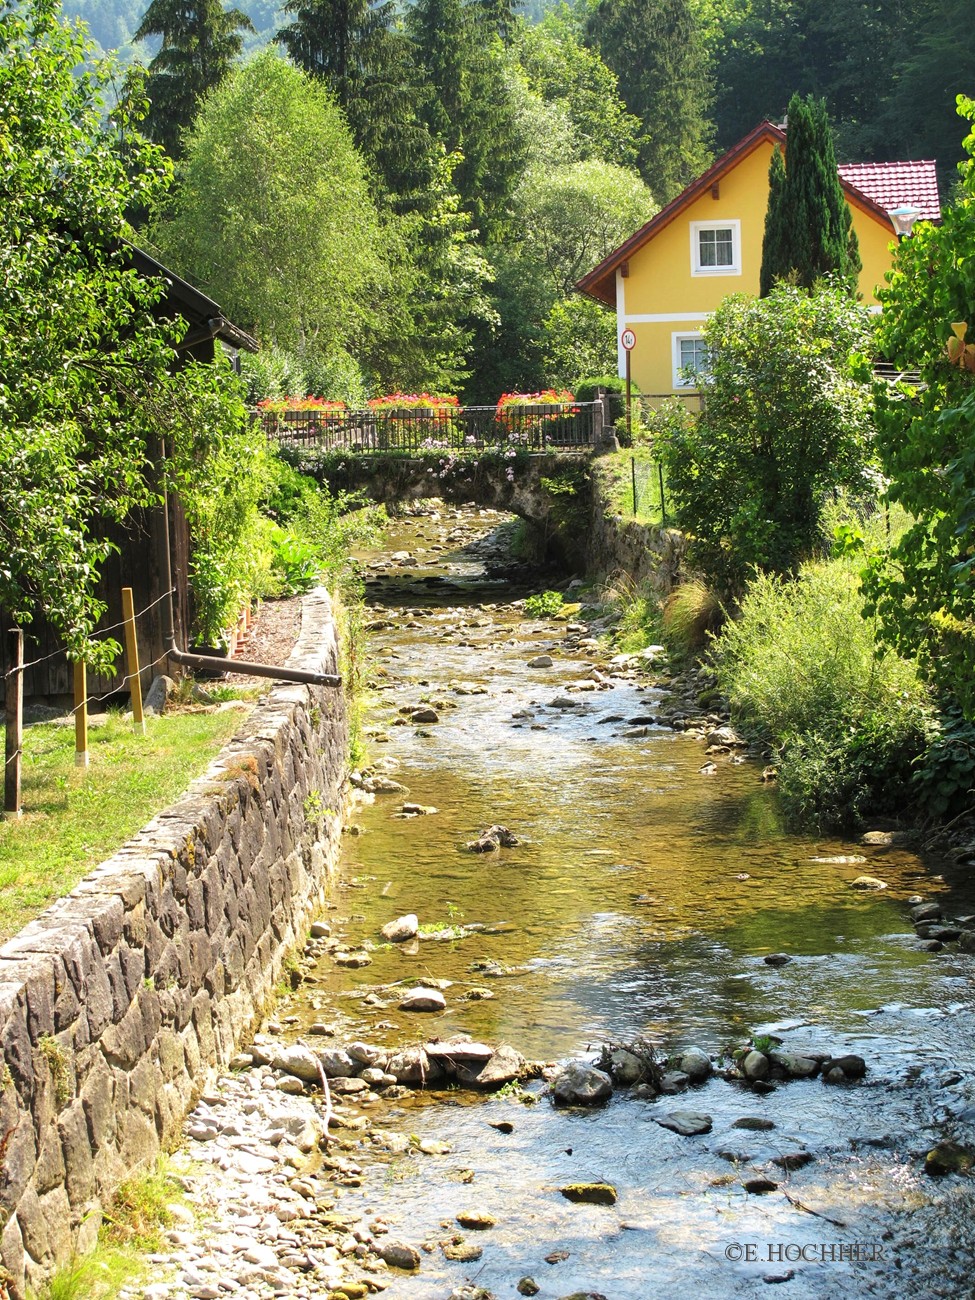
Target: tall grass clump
column 845, row 718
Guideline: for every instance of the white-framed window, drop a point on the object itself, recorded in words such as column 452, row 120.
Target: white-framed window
column 690, row 357
column 715, row 248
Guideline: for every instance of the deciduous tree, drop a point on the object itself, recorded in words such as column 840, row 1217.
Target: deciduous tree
column 88, row 377
column 785, row 422
column 924, row 590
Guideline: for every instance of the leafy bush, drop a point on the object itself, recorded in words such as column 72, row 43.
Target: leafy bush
column 805, row 677
column 785, row 422
column 945, row 774
column 543, row 604
column 585, row 389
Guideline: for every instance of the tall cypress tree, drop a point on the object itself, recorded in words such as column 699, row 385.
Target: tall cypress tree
column 200, row 41
column 808, row 226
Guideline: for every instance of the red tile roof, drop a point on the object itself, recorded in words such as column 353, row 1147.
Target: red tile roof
column 897, row 184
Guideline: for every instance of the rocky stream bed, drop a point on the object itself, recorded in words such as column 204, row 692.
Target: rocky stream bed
column 581, row 1020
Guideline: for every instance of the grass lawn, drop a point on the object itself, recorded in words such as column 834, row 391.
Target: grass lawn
column 75, row 817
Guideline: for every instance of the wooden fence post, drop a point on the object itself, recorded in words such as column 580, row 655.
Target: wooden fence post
column 80, row 715
column 13, row 725
column 132, row 660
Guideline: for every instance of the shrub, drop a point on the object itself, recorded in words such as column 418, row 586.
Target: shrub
column 806, row 678
column 785, row 422
column 585, row 389
column 690, row 614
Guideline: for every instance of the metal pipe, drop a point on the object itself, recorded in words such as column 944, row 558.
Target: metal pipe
column 212, row 662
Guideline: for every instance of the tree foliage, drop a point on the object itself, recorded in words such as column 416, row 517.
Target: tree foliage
column 924, row 590
column 573, row 79
column 282, row 232
column 359, row 51
column 466, row 104
column 656, row 49
column 808, row 225
column 200, row 42
column 785, row 422
column 88, row 377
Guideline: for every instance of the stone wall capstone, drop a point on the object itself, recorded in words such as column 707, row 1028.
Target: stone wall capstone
column 117, row 1001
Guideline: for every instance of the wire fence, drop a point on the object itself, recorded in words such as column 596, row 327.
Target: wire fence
column 648, row 489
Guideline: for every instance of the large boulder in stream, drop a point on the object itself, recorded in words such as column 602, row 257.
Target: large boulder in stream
column 402, row 929
column 581, row 1085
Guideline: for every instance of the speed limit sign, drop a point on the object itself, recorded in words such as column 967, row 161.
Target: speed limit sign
column 628, row 339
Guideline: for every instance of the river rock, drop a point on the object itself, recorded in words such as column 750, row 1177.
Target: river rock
column 476, row 1220
column 494, row 837
column 367, row 1054
column 337, row 1063
column 409, row 1066
column 505, row 1066
column 300, row 1061
column 402, row 929
column 795, row 1065
column 399, row 1255
column 756, row 1123
column 793, row 1159
column 625, row 1067
column 423, row 999
column 777, row 959
column 695, row 1063
column 868, row 882
column 926, row 912
column 424, row 715
column 320, row 930
column 674, row 1081
column 464, row 1252
column 581, row 1085
column 688, row 1123
column 459, row 1049
column 527, row 1286
column 838, row 1069
column 541, row 661
column 590, row 1193
column 755, row 1066
column 948, row 1158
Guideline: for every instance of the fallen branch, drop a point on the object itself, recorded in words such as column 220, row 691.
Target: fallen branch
column 817, row 1214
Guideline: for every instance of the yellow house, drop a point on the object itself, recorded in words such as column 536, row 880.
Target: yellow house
column 665, row 280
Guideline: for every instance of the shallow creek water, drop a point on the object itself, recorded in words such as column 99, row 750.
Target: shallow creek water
column 641, row 902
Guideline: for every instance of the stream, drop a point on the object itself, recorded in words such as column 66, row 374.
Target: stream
column 650, row 883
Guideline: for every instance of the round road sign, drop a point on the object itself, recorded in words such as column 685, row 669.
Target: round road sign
column 628, row 339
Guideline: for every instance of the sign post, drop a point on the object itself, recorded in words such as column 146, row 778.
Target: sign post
column 628, row 340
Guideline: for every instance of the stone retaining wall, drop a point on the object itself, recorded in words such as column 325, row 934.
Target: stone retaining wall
column 643, row 552
column 116, row 1003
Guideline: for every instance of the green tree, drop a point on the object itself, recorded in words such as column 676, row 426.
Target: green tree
column 88, row 378
column 924, row 590
column 200, row 42
column 467, row 106
column 656, row 49
column 808, row 225
column 272, row 214
column 786, row 421
column 570, row 77
column 358, row 50
column 563, row 220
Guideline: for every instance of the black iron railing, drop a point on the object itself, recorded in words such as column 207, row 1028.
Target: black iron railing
column 413, row 431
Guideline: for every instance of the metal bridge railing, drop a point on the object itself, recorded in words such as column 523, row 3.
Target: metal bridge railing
column 413, row 431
